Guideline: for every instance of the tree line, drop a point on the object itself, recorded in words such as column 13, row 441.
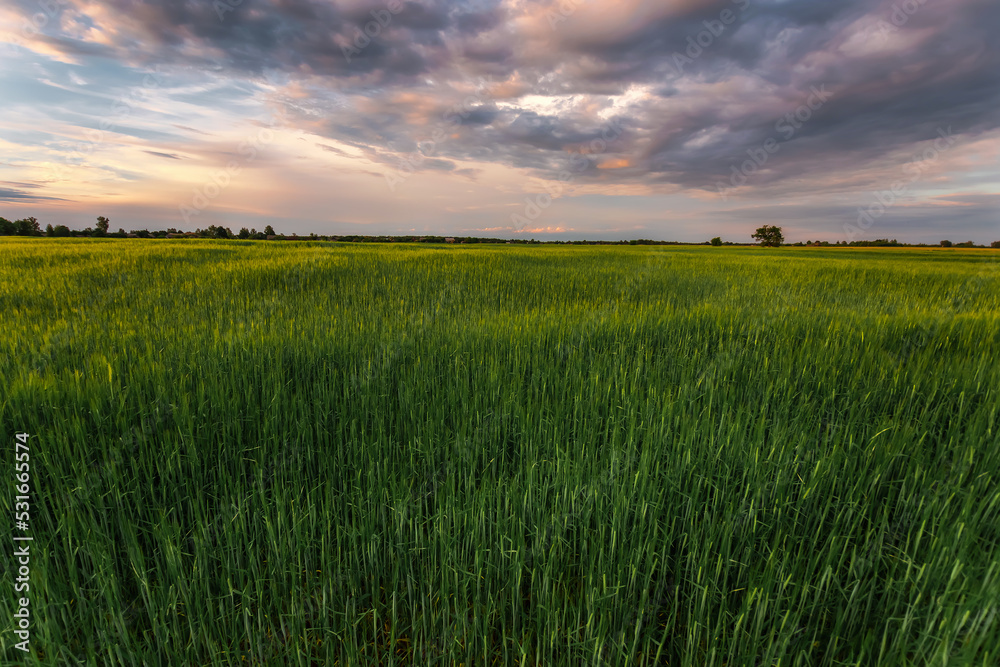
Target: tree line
column 31, row 227
column 766, row 235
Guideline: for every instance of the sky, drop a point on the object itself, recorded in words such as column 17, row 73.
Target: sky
column 674, row 120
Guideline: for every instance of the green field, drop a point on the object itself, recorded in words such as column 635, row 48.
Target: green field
column 266, row 453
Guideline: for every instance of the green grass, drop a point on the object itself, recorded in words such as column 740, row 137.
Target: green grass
column 319, row 454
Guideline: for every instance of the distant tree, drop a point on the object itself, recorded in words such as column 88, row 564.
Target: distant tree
column 244, row 233
column 269, row 231
column 995, row 244
column 6, row 227
column 716, row 241
column 102, row 226
column 61, row 231
column 27, row 227
column 216, row 232
column 49, row 231
column 769, row 236
column 946, row 243
column 141, row 233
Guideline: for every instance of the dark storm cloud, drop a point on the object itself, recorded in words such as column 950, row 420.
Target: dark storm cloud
column 881, row 100
column 718, row 76
column 474, row 22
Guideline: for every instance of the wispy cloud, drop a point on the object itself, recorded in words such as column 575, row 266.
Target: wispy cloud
column 20, row 196
column 169, row 156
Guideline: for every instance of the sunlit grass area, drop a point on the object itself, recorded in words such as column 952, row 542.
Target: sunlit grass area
column 336, row 454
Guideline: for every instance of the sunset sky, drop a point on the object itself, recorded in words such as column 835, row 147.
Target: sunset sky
column 598, row 119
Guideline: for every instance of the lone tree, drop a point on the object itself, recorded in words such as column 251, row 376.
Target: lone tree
column 716, row 241
column 769, row 236
column 102, row 226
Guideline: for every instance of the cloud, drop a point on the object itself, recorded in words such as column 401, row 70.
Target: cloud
column 166, row 155
column 693, row 88
column 18, row 195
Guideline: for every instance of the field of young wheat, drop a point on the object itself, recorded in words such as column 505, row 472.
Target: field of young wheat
column 335, row 454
